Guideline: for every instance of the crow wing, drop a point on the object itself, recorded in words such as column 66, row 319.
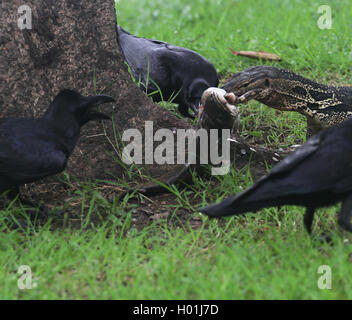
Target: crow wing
column 322, row 164
column 26, row 160
column 296, row 157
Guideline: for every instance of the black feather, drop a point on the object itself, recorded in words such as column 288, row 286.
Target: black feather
column 317, row 174
column 31, row 149
column 173, row 70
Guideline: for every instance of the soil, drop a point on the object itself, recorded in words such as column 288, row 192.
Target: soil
column 55, row 193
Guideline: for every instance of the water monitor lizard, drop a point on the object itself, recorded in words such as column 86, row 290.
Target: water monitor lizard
column 285, row 90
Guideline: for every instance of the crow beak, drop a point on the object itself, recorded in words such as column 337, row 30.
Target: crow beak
column 94, row 115
column 209, row 210
column 92, row 101
column 96, row 100
column 223, row 208
column 195, row 107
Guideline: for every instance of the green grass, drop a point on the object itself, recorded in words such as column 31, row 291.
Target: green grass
column 246, row 258
column 267, row 255
column 287, row 28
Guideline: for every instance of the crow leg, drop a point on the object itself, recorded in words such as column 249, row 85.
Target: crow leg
column 183, row 109
column 43, row 211
column 13, row 193
column 308, row 219
column 40, row 210
column 344, row 218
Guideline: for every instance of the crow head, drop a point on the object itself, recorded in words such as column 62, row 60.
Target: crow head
column 69, row 103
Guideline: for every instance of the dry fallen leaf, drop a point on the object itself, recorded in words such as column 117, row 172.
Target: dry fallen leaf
column 158, row 216
column 257, row 55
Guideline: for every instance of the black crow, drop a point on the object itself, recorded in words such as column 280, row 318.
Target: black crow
column 31, row 149
column 317, row 174
column 174, row 70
